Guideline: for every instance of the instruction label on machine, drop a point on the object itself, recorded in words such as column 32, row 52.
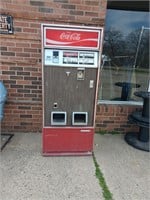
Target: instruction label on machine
column 68, row 57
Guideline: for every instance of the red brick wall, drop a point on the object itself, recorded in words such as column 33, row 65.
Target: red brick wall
column 21, row 53
column 114, row 118
column 21, row 60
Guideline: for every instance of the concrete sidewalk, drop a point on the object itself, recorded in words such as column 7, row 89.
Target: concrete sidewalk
column 126, row 169
column 27, row 175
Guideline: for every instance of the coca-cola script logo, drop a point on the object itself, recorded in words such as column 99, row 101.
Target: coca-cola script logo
column 70, row 36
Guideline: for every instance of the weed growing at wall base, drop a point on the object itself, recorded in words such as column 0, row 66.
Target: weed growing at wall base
column 103, row 132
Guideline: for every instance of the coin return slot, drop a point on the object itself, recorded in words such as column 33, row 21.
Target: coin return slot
column 55, row 105
column 79, row 118
column 58, row 118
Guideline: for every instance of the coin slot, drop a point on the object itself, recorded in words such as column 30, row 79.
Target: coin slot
column 80, row 73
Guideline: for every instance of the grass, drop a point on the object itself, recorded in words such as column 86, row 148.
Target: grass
column 103, row 132
column 106, row 193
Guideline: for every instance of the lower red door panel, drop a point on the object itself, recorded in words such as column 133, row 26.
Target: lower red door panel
column 68, row 141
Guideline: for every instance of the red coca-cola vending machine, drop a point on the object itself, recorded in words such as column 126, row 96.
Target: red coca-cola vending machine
column 71, row 62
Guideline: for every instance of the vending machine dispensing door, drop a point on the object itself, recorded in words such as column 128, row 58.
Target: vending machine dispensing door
column 71, row 62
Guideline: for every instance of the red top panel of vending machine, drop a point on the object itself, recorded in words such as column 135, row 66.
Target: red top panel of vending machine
column 73, row 38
